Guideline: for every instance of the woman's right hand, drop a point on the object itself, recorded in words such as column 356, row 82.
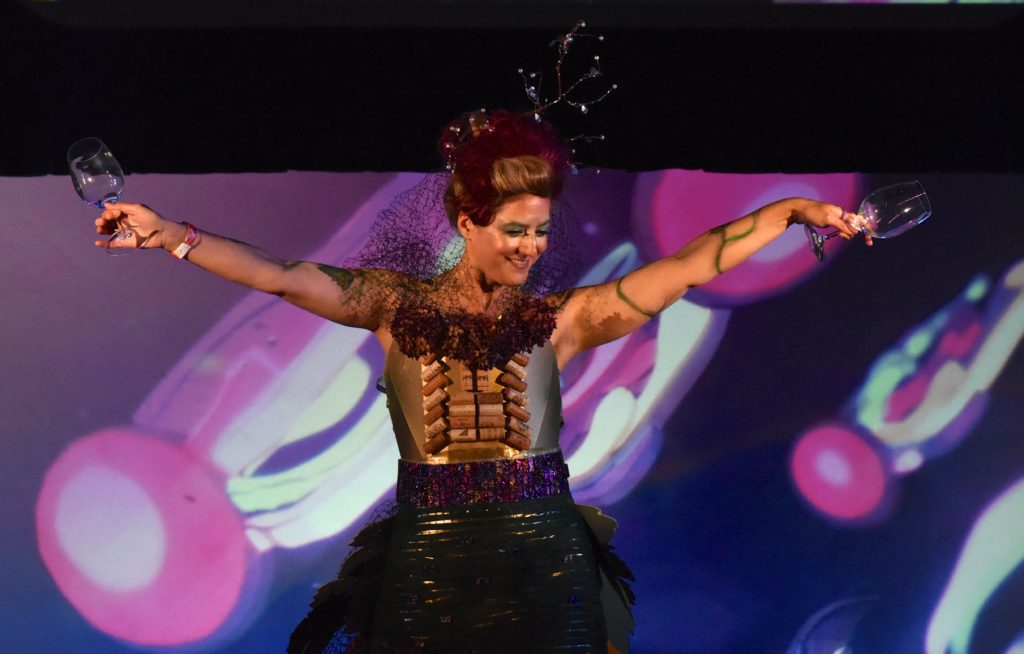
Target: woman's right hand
column 148, row 228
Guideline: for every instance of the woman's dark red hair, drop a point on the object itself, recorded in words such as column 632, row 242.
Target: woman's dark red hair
column 474, row 142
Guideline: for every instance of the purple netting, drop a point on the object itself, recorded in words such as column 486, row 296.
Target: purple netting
column 414, row 237
column 426, row 309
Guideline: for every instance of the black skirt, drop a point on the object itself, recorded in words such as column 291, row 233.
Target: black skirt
column 530, row 575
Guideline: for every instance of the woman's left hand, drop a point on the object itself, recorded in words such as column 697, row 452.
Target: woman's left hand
column 822, row 214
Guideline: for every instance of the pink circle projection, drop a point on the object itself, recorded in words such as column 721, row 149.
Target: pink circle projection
column 672, row 207
column 837, row 472
column 141, row 538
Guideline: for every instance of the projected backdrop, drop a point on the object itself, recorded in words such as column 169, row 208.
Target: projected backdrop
column 797, row 453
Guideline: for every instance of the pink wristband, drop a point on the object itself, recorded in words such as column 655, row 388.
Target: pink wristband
column 192, row 237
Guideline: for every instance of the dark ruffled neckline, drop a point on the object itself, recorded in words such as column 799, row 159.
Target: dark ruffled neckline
column 421, row 327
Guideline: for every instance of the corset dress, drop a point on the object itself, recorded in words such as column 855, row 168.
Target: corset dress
column 485, row 550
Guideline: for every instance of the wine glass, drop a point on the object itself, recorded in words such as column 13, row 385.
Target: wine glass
column 884, row 213
column 98, row 179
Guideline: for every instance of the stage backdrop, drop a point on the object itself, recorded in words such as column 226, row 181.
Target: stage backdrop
column 800, row 456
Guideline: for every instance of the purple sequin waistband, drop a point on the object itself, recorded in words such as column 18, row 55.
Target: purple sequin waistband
column 482, row 482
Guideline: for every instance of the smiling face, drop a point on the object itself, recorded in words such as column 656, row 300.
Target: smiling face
column 504, row 250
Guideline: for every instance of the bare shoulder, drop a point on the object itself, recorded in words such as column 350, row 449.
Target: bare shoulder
column 357, row 297
column 379, row 284
column 573, row 303
column 559, row 300
column 568, row 304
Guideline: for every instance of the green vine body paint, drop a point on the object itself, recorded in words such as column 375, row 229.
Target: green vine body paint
column 729, row 239
column 625, row 298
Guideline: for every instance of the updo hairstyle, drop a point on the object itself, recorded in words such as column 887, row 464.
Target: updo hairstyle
column 496, row 156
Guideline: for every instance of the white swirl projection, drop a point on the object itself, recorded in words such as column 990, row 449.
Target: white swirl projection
column 1017, row 646
column 269, row 433
column 830, row 630
column 920, row 399
column 621, row 434
column 993, row 550
column 256, row 386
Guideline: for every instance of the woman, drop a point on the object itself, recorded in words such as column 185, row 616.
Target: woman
column 485, row 542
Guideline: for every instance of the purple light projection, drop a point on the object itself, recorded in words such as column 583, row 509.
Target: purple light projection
column 253, row 387
column 194, row 456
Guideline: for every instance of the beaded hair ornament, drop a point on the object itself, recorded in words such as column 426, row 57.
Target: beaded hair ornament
column 414, row 236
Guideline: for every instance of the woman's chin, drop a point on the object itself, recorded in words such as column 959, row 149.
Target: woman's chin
column 516, row 277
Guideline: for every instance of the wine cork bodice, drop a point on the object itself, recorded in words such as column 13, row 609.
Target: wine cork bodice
column 444, row 411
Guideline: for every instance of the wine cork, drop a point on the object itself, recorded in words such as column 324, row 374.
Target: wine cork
column 519, row 427
column 437, row 443
column 463, row 435
column 431, row 370
column 476, row 398
column 491, row 433
column 516, row 412
column 521, row 359
column 515, row 369
column 506, row 379
column 473, row 435
column 472, row 422
column 516, row 441
column 435, row 428
column 434, row 399
column 474, row 410
column 439, row 381
column 431, row 416
column 474, row 380
column 514, row 396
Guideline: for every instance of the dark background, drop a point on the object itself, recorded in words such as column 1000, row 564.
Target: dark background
column 748, row 87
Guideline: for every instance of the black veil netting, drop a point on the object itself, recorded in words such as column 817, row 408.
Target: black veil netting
column 426, row 311
column 414, row 237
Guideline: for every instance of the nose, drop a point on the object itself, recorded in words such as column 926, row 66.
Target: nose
column 528, row 244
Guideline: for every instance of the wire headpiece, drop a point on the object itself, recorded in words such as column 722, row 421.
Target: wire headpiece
column 470, row 126
column 565, row 93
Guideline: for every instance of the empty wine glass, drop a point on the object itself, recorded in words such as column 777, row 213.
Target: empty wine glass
column 884, row 213
column 98, row 179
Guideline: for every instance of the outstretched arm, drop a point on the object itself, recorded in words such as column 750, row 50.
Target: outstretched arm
column 595, row 315
column 351, row 297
